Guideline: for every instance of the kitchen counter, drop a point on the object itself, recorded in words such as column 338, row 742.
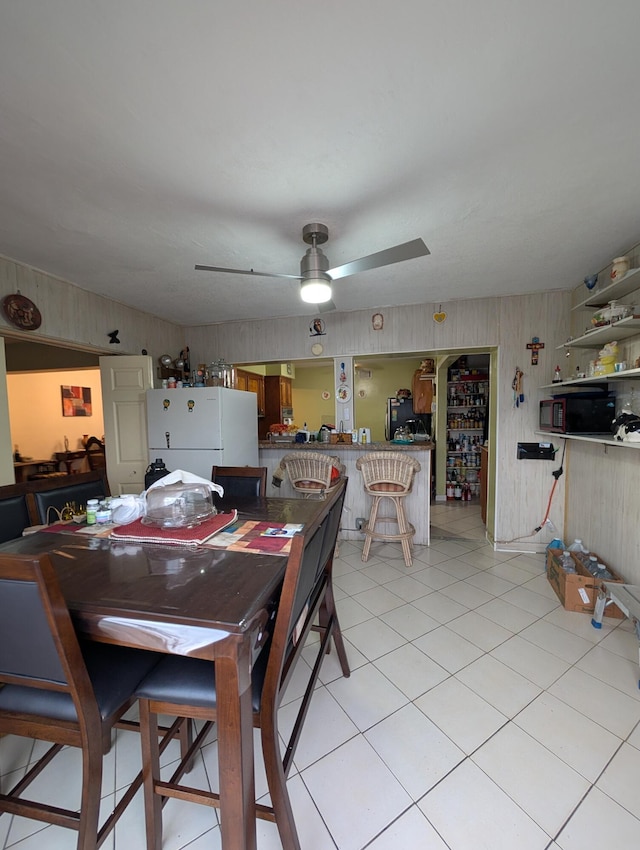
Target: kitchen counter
column 386, row 446
column 357, row 503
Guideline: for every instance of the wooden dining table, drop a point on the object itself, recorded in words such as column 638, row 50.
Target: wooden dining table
column 202, row 602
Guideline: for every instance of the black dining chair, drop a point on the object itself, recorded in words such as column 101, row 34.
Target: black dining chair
column 57, row 688
column 50, row 497
column 241, row 482
column 14, row 512
column 185, row 687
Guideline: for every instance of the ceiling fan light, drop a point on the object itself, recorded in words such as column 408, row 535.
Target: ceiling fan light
column 315, row 291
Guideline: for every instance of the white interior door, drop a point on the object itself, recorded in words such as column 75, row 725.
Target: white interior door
column 6, row 447
column 125, row 381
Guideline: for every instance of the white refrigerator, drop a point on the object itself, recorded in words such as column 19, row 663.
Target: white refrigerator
column 200, row 427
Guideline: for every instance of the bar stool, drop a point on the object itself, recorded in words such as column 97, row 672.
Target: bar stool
column 388, row 475
column 312, row 474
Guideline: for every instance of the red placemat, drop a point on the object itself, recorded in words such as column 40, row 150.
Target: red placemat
column 138, row 533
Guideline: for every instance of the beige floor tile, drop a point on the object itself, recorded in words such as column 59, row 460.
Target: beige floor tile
column 599, row 822
column 470, row 811
column 461, row 714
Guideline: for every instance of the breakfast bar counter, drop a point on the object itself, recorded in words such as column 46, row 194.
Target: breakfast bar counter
column 357, row 503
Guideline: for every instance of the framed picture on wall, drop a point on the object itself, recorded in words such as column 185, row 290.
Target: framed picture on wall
column 76, row 401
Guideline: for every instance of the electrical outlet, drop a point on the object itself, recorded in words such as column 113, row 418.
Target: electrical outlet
column 360, row 523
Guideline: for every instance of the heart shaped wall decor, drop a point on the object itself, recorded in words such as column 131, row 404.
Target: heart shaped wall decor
column 439, row 317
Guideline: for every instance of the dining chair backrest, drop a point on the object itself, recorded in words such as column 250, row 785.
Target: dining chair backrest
column 38, row 644
column 72, row 488
column 241, row 482
column 14, row 512
column 302, row 590
column 95, row 453
column 333, row 527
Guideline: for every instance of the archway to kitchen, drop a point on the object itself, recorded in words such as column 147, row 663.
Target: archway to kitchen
column 376, row 378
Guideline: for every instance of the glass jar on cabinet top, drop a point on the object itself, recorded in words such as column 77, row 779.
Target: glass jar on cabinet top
column 221, row 374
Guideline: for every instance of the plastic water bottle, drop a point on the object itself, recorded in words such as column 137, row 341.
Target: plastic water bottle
column 567, row 562
column 577, row 546
column 155, row 471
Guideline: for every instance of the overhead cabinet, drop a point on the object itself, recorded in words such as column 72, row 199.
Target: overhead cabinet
column 252, row 383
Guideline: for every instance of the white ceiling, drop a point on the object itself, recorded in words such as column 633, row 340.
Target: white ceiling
column 140, row 137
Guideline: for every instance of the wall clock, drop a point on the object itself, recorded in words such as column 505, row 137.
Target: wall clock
column 317, row 349
column 21, row 312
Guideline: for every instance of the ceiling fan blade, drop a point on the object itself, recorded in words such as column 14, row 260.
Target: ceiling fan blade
column 326, row 306
column 397, row 254
column 246, row 271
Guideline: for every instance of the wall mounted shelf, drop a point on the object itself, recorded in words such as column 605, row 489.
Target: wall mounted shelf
column 603, row 439
column 618, row 289
column 624, row 329
column 594, row 380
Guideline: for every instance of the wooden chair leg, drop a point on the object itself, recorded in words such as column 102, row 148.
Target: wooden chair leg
column 151, row 775
column 91, row 788
column 277, row 782
column 186, row 739
column 337, row 633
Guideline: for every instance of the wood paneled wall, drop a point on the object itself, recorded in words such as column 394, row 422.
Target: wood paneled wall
column 70, row 314
column 507, row 324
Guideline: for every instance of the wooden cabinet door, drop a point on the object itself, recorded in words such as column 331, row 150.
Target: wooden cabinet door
column 242, row 379
column 285, row 392
column 255, row 384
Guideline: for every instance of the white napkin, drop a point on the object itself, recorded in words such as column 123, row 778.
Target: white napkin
column 181, row 476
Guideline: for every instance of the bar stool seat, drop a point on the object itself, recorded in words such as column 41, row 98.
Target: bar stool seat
column 388, row 475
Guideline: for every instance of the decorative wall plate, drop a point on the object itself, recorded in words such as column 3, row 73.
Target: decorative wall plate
column 326, row 395
column 21, row 312
column 343, row 393
column 317, row 349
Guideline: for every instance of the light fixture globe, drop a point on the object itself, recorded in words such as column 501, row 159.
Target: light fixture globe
column 315, row 291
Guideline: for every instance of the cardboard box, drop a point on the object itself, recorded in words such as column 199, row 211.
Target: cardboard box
column 578, row 591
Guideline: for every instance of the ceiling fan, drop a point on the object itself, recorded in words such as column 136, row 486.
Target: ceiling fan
column 316, row 276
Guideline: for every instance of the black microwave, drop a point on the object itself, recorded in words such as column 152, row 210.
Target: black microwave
column 582, row 413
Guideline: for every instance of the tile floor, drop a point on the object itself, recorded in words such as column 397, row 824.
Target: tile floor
column 479, row 714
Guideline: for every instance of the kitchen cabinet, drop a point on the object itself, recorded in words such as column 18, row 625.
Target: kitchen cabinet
column 286, row 394
column 277, row 403
column 466, row 413
column 253, row 383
